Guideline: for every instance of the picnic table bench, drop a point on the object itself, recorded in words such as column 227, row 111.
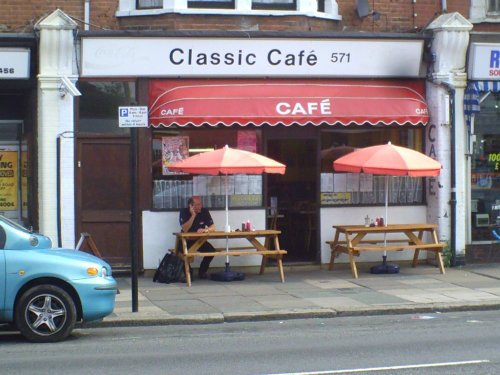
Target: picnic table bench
column 354, row 242
column 188, row 253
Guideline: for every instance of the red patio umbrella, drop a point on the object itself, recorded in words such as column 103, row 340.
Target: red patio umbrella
column 388, row 160
column 226, row 161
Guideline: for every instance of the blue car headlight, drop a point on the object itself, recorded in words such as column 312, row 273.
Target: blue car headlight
column 92, row 271
column 96, row 271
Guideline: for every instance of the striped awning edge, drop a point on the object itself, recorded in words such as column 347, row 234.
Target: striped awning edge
column 472, row 94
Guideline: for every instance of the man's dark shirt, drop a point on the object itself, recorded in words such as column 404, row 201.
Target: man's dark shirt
column 201, row 220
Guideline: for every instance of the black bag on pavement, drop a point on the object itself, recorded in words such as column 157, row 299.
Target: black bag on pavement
column 170, row 270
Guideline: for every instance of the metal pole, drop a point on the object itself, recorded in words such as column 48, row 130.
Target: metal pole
column 58, row 190
column 133, row 218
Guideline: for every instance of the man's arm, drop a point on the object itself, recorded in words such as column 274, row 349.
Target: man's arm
column 189, row 222
column 208, row 217
column 185, row 227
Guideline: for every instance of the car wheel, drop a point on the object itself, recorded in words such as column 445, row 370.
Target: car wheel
column 45, row 313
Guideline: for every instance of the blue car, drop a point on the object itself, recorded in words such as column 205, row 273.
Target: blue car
column 45, row 291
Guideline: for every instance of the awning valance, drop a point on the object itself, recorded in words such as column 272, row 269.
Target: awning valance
column 287, row 102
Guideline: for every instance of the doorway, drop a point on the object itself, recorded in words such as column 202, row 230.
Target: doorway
column 103, row 191
column 296, row 196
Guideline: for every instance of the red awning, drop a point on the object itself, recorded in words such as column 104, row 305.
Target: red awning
column 287, row 102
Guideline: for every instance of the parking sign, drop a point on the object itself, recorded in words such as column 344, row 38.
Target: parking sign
column 133, row 117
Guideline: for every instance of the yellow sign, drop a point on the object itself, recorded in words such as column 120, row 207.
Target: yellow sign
column 24, row 182
column 8, row 181
column 335, row 198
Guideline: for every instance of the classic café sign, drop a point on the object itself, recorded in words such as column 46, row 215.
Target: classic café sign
column 225, row 57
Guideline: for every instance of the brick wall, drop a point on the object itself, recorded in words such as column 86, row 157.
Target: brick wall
column 395, row 16
column 17, row 16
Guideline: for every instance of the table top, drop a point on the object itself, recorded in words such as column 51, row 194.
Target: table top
column 235, row 234
column 385, row 229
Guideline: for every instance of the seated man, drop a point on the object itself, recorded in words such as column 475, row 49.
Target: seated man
column 197, row 219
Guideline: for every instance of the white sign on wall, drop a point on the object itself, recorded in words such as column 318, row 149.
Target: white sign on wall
column 224, row 57
column 133, row 117
column 14, row 63
column 484, row 61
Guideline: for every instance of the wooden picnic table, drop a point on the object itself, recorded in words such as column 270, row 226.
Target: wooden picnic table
column 355, row 241
column 255, row 247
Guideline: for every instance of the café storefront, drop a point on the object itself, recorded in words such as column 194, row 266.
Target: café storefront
column 303, row 101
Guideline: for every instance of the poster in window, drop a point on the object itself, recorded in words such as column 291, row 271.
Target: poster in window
column 247, row 140
column 24, row 182
column 8, row 181
column 174, row 150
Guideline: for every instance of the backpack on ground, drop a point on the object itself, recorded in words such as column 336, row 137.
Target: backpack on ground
column 170, row 270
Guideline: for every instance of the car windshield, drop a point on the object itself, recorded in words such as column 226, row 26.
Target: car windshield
column 6, row 221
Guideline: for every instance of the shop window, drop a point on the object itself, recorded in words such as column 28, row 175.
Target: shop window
column 98, row 105
column 366, row 189
column 13, row 171
column 171, row 190
column 485, row 170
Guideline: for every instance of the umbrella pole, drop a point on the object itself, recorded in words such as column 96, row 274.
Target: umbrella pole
column 386, row 219
column 227, row 274
column 227, row 229
column 385, row 267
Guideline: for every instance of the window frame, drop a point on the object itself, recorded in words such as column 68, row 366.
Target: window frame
column 328, row 9
column 496, row 11
column 479, row 12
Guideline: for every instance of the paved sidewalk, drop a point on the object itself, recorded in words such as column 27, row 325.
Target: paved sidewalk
column 309, row 292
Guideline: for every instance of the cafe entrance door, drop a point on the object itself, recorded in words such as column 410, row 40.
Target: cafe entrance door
column 297, row 196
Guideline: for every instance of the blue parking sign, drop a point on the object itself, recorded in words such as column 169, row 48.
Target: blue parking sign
column 133, row 117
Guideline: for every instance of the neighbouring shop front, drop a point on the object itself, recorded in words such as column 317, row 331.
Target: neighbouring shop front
column 17, row 123
column 302, row 101
column 482, row 108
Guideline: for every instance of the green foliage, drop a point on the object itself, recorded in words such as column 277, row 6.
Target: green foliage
column 447, row 254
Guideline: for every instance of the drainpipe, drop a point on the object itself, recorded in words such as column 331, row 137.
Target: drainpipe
column 453, row 183
column 444, row 7
column 86, row 17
